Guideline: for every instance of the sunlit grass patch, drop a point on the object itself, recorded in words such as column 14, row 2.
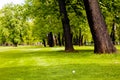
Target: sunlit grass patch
column 38, row 63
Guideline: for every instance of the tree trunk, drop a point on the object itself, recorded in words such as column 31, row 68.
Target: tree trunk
column 50, row 39
column 15, row 44
column 76, row 40
column 59, row 39
column 113, row 33
column 66, row 26
column 44, row 43
column 63, row 40
column 102, row 40
column 55, row 40
column 80, row 38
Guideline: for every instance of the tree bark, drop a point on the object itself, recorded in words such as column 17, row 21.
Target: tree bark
column 44, row 42
column 76, row 40
column 59, row 39
column 66, row 26
column 102, row 40
column 63, row 39
column 80, row 38
column 50, row 39
column 55, row 40
column 113, row 36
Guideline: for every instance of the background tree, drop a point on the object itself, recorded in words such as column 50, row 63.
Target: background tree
column 14, row 27
column 66, row 26
column 110, row 10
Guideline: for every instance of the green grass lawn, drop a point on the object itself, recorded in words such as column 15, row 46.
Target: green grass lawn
column 34, row 63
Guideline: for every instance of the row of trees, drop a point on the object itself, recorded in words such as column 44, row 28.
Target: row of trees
column 42, row 20
column 14, row 28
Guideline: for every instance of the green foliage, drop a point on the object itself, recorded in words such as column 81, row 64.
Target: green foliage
column 32, row 21
column 111, row 11
column 14, row 26
column 47, row 18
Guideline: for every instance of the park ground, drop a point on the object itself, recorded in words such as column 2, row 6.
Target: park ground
column 38, row 63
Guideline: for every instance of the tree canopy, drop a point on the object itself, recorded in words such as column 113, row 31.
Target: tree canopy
column 31, row 22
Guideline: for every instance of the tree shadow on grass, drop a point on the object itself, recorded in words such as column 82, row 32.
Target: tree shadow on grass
column 61, row 72
column 58, row 53
column 78, row 51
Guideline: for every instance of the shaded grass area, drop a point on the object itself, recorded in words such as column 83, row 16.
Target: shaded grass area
column 35, row 63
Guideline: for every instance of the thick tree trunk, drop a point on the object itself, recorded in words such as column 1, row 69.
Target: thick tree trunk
column 50, row 39
column 102, row 40
column 66, row 26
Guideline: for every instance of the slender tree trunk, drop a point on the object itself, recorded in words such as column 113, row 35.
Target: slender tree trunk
column 66, row 26
column 102, row 40
column 113, row 37
column 55, row 41
column 63, row 40
column 80, row 38
column 59, row 39
column 119, row 36
column 76, row 40
column 44, row 42
column 81, row 41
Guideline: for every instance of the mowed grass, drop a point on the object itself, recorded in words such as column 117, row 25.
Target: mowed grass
column 35, row 63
